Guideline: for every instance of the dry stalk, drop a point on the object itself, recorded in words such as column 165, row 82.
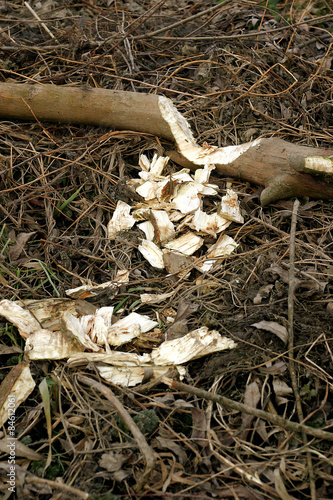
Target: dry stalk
column 291, row 295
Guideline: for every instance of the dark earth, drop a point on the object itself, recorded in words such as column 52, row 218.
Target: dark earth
column 237, row 70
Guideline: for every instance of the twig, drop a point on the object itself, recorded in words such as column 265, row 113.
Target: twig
column 137, row 434
column 132, row 27
column 29, row 478
column 57, row 485
column 235, row 405
column 291, row 294
column 250, row 34
column 179, row 23
column 39, row 19
column 241, row 471
column 214, row 446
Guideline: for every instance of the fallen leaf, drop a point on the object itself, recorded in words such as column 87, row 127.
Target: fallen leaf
column 179, row 326
column 6, row 349
column 112, row 461
column 281, row 388
column 280, row 486
column 176, row 449
column 251, row 398
column 21, row 240
column 21, row 450
column 199, row 426
column 263, row 293
column 274, row 368
column 273, row 327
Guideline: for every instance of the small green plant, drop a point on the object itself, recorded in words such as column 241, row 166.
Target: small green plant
column 146, row 420
column 49, row 273
column 307, row 392
column 62, row 205
column 55, row 469
column 104, row 496
column 4, row 240
column 11, row 332
column 271, row 4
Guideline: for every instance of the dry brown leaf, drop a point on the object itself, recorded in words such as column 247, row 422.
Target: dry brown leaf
column 280, row 486
column 263, row 293
column 47, row 344
column 112, row 461
column 13, row 349
column 179, row 326
column 274, row 368
column 21, row 450
column 281, row 388
column 21, row 240
column 176, row 262
column 273, row 327
column 251, row 398
column 199, row 426
column 176, row 449
column 14, row 390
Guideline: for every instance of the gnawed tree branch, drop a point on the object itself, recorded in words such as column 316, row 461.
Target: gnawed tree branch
column 281, row 167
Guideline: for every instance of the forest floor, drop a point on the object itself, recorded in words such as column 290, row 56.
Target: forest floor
column 237, row 70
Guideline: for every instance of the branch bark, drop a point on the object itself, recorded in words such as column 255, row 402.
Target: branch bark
column 272, row 163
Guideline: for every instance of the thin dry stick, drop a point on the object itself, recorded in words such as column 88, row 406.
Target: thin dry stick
column 249, row 34
column 214, row 443
column 235, row 405
column 137, row 434
column 291, row 294
column 59, row 486
column 30, row 478
column 241, row 471
column 178, row 23
column 39, row 19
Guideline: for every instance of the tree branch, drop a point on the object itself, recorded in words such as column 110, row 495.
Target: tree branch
column 272, row 163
